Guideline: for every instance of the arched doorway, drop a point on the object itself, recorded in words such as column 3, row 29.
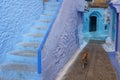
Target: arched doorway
column 93, row 24
column 94, row 21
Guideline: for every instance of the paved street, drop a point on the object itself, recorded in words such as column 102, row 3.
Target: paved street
column 99, row 66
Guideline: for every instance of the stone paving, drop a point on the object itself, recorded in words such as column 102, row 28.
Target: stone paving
column 99, row 66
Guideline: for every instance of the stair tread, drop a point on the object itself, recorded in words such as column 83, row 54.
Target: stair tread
column 24, row 53
column 35, row 34
column 52, row 3
column 29, row 44
column 7, row 78
column 47, row 14
column 48, row 4
column 45, row 21
column 50, row 9
column 19, row 67
column 41, row 27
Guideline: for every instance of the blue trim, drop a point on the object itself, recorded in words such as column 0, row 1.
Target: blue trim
column 82, row 16
column 117, row 28
column 111, row 6
column 45, row 38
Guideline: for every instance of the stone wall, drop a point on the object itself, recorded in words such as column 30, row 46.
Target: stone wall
column 14, row 16
column 62, row 41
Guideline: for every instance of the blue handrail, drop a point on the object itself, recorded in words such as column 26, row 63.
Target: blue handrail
column 45, row 38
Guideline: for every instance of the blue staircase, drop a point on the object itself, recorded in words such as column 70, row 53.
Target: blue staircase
column 21, row 64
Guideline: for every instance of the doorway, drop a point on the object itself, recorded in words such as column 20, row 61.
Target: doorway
column 93, row 24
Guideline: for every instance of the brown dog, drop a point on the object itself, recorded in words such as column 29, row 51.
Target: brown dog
column 84, row 58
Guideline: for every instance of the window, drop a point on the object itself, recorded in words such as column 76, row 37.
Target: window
column 105, row 27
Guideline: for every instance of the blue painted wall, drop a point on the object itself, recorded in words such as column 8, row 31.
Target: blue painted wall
column 119, row 35
column 99, row 13
column 14, row 16
column 55, row 0
column 116, row 5
column 62, row 41
column 114, row 15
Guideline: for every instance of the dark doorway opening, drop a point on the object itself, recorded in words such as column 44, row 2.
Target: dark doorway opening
column 93, row 24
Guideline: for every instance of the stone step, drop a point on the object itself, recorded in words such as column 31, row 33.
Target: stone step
column 33, row 46
column 34, row 35
column 51, row 3
column 45, row 21
column 48, row 16
column 22, row 56
column 45, row 17
column 31, row 39
column 24, row 53
column 48, row 12
column 40, row 27
column 53, row 10
column 21, row 64
column 18, row 67
column 41, row 23
column 50, row 8
column 18, row 71
column 31, row 77
column 38, row 31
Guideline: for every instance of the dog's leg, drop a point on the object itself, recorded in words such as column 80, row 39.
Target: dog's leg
column 83, row 64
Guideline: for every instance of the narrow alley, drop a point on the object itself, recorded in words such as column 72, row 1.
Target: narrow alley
column 59, row 39
column 99, row 66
